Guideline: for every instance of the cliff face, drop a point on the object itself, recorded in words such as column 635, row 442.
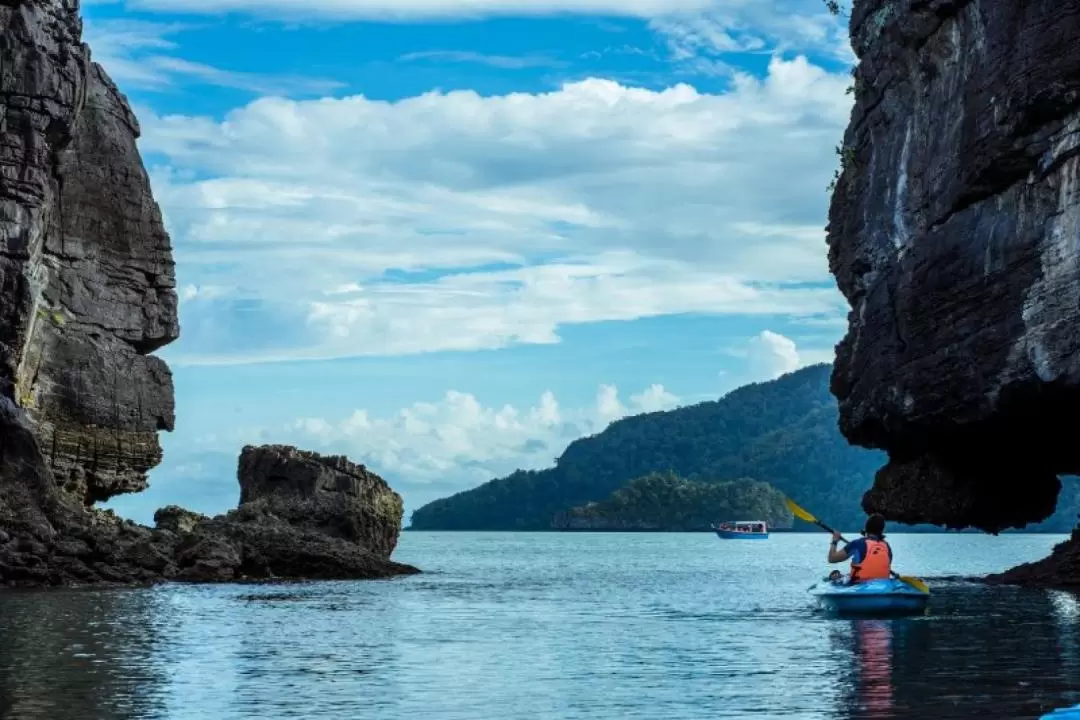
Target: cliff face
column 87, row 292
column 953, row 233
column 88, row 286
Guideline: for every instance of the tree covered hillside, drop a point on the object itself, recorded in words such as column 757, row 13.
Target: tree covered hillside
column 663, row 501
column 782, row 432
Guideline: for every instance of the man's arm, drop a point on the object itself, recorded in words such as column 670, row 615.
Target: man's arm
column 836, row 555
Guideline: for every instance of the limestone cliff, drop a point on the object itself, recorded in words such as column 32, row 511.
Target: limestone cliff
column 88, row 286
column 87, row 293
column 953, row 233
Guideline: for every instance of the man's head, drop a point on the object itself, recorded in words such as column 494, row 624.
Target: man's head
column 875, row 525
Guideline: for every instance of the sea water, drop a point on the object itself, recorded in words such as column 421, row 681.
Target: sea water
column 528, row 626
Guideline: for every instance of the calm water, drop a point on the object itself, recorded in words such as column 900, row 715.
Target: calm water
column 559, row 626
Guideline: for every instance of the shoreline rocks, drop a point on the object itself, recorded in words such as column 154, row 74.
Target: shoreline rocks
column 952, row 234
column 269, row 536
column 301, row 516
column 1060, row 571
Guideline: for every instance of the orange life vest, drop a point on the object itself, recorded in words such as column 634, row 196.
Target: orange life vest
column 876, row 564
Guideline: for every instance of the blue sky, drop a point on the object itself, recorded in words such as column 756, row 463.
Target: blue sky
column 446, row 237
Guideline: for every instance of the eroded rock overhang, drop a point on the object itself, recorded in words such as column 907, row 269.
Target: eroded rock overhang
column 954, row 233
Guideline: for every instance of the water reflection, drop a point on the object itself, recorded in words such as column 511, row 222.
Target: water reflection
column 80, row 655
column 998, row 653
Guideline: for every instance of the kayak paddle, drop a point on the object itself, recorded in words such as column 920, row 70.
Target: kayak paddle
column 807, row 517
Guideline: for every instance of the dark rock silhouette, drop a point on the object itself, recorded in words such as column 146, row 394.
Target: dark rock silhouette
column 1060, row 570
column 952, row 233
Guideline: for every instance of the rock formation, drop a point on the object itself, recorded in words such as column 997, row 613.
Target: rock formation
column 301, row 515
column 87, row 293
column 953, row 233
column 1060, row 570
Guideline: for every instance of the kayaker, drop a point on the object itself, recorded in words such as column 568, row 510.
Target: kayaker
column 871, row 557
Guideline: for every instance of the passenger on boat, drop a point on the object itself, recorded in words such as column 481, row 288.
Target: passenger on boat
column 871, row 557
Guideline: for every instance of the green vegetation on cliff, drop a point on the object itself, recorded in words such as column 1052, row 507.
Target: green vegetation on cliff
column 664, row 501
column 784, row 432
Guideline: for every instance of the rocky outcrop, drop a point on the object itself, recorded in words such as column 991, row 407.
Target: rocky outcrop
column 1061, row 570
column 301, row 515
column 327, row 495
column 953, row 234
column 87, row 294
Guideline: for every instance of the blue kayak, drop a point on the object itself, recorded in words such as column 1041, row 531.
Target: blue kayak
column 1072, row 713
column 873, row 596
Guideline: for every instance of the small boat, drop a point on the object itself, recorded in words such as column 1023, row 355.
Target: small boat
column 743, row 530
column 890, row 596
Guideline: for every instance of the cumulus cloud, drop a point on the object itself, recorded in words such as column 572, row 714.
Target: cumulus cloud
column 772, row 355
column 426, row 450
column 654, row 399
column 458, row 441
column 460, row 221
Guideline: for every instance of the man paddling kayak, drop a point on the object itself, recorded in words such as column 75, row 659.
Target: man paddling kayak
column 871, row 557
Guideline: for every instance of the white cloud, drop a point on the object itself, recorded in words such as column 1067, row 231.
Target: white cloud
column 503, row 62
column 770, row 355
column 458, row 441
column 773, row 355
column 756, row 26
column 425, row 450
column 654, row 399
column 142, row 54
column 499, row 218
column 202, row 292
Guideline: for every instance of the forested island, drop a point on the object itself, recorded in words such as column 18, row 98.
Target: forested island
column 664, row 501
column 783, row 432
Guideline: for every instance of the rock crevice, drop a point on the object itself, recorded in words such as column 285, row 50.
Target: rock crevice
column 953, row 233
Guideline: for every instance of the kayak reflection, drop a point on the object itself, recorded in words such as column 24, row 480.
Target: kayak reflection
column 961, row 660
column 874, row 666
column 868, row 688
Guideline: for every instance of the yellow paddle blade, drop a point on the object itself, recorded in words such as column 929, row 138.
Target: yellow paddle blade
column 798, row 511
column 915, row 583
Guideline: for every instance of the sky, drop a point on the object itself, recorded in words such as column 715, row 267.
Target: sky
column 448, row 237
